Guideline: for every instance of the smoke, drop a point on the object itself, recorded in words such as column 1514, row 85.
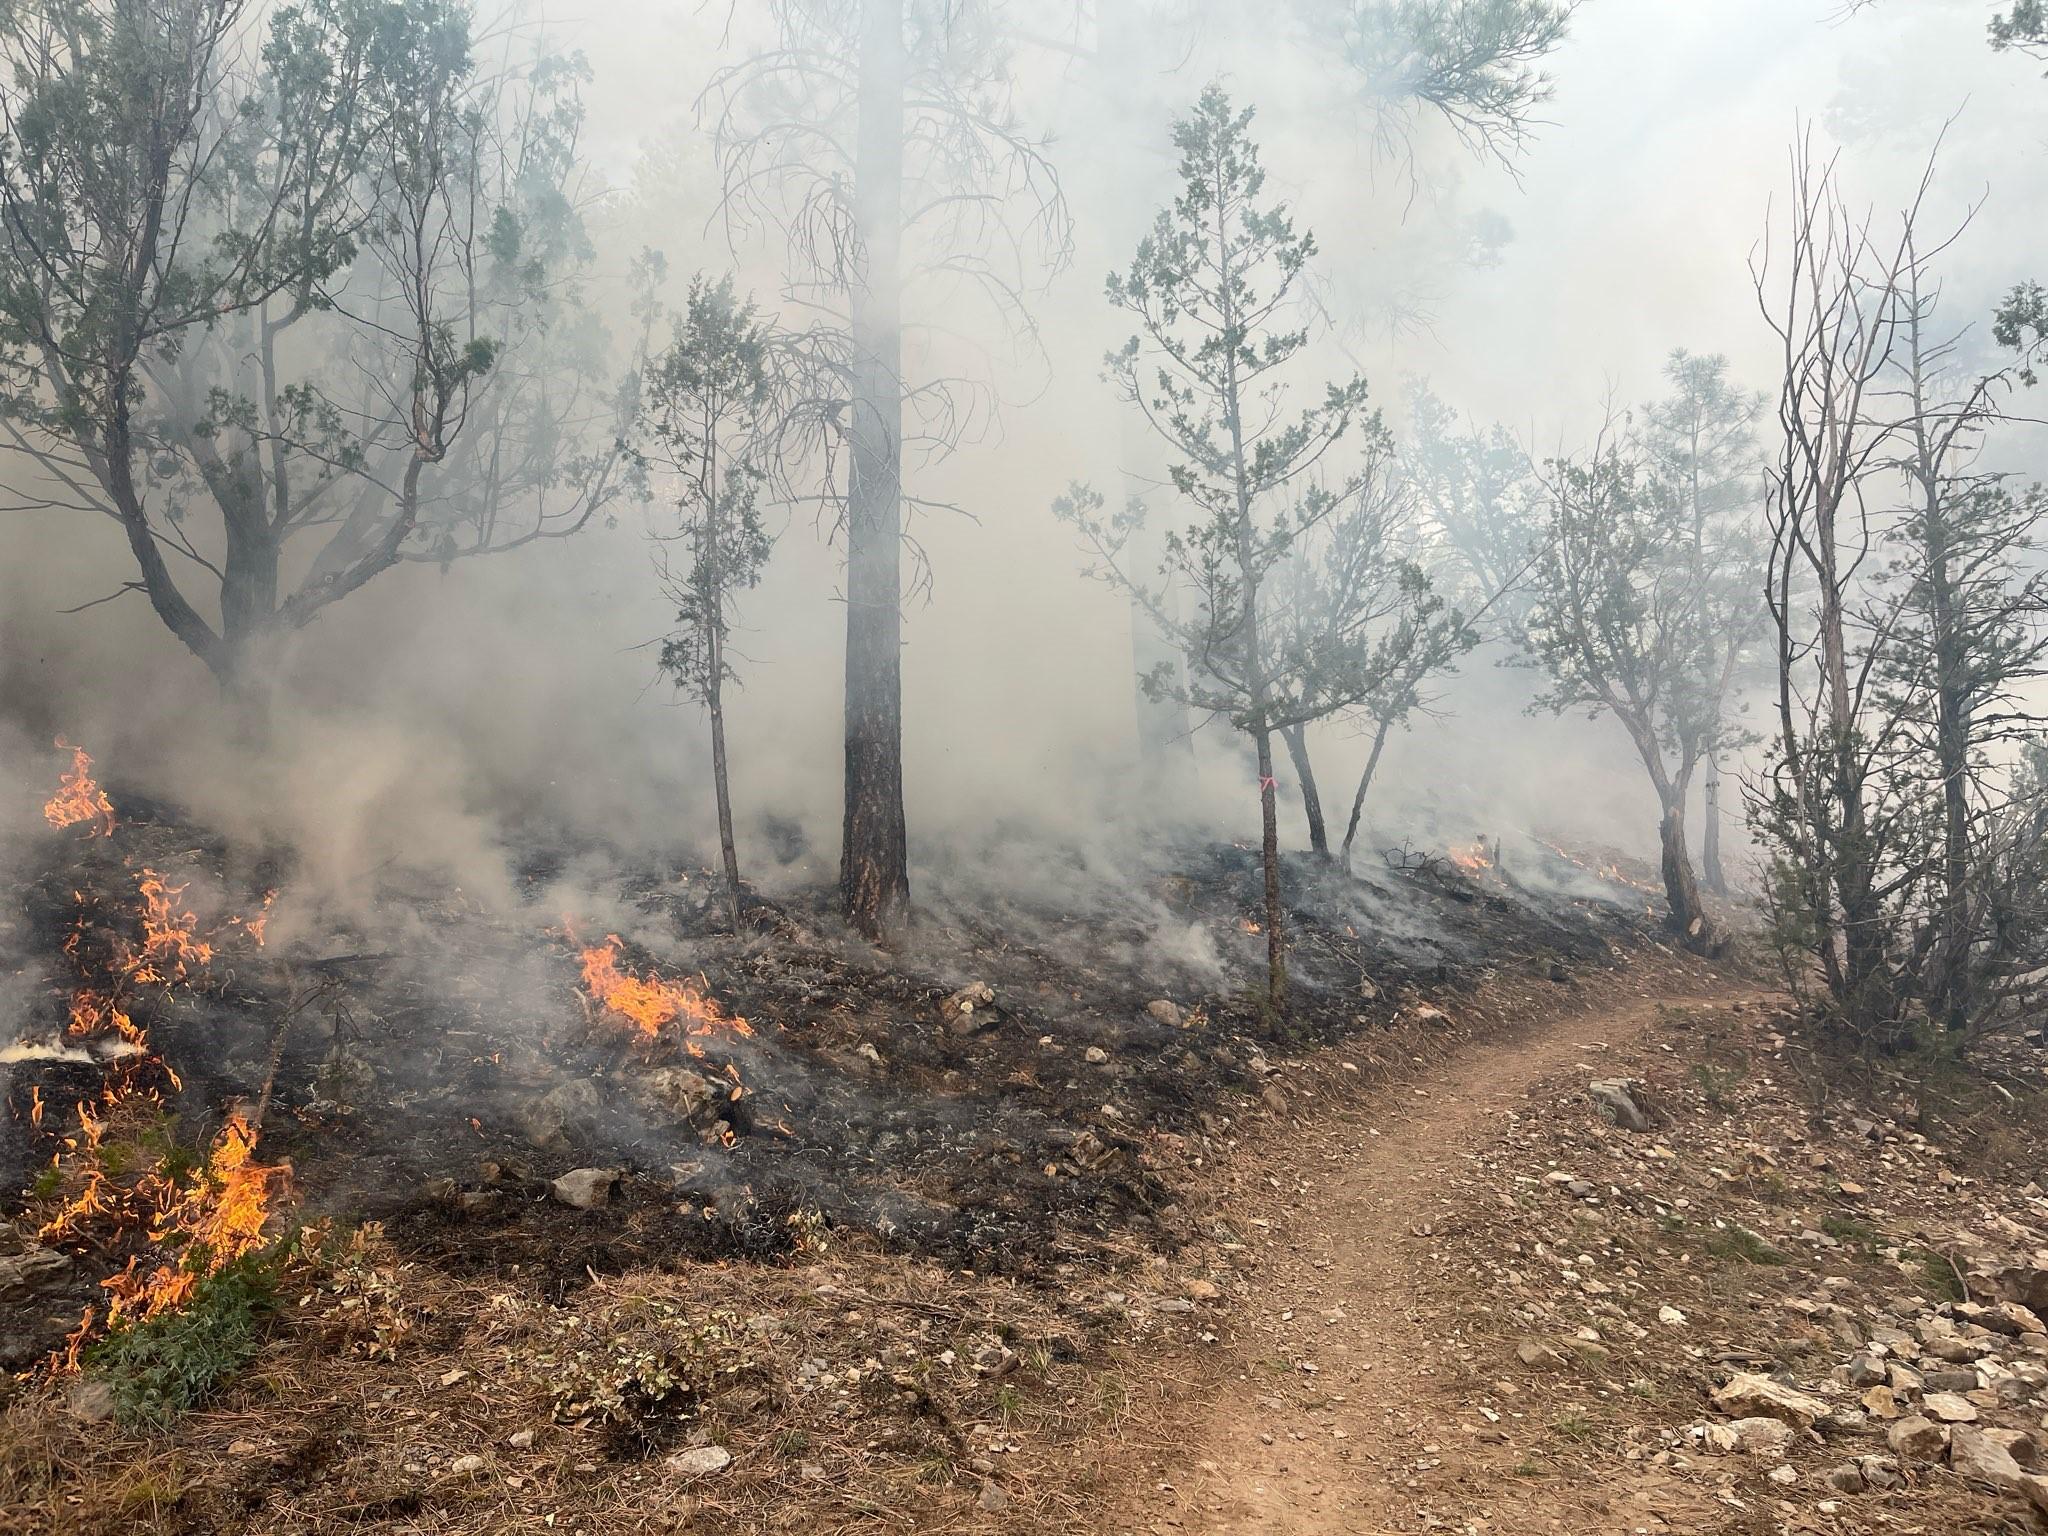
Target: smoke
column 449, row 721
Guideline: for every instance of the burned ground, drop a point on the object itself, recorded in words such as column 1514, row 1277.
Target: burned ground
column 436, row 1068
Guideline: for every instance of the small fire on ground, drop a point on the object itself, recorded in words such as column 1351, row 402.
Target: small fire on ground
column 651, row 1003
column 195, row 1219
column 1472, row 857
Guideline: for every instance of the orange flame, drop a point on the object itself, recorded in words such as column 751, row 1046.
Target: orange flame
column 79, row 801
column 167, row 934
column 651, row 1002
column 196, row 1224
column 1470, row 856
column 221, row 1216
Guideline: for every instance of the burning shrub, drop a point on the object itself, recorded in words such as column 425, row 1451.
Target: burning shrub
column 159, row 1367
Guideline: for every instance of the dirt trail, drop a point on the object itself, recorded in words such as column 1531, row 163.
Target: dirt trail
column 1334, row 1402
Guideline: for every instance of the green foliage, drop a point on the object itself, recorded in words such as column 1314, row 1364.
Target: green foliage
column 2023, row 28
column 1743, row 1245
column 1477, row 491
column 1846, row 1229
column 160, row 1367
column 1477, row 63
column 1302, row 605
column 261, row 275
column 713, row 416
column 1715, row 1083
column 1938, row 1273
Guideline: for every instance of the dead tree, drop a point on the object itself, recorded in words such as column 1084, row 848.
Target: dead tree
column 875, row 141
column 1828, row 801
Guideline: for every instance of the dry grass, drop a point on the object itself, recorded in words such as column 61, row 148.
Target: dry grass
column 854, row 1392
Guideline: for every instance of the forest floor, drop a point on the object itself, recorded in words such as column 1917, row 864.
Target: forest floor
column 1412, row 1273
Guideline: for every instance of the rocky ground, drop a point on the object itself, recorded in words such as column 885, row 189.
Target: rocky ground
column 1493, row 1245
column 1658, row 1266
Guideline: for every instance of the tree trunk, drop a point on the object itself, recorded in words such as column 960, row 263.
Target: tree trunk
column 1296, row 737
column 874, row 873
column 1711, row 871
column 1269, row 858
column 720, row 784
column 1948, row 997
column 1372, row 763
column 1681, row 888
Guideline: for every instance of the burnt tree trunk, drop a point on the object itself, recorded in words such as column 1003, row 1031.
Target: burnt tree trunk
column 720, row 784
column 1296, row 737
column 1687, row 914
column 1681, row 886
column 714, row 699
column 874, row 873
column 1372, row 763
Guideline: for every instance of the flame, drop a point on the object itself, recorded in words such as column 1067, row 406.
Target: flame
column 79, row 801
column 651, row 1002
column 1249, row 926
column 196, row 1222
column 1470, row 856
column 219, row 1217
column 167, row 934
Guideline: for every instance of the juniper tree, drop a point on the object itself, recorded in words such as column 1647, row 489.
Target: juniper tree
column 1701, row 441
column 710, row 401
column 1213, row 291
column 253, row 271
column 1969, row 637
column 1617, row 623
column 1478, row 64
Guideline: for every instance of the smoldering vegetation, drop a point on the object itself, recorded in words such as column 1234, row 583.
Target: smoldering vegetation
column 614, row 650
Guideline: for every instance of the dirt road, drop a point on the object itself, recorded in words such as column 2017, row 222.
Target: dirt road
column 1346, row 1397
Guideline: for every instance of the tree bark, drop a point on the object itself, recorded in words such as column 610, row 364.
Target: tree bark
column 721, row 785
column 1681, row 887
column 1712, row 873
column 1269, row 858
column 874, row 873
column 1296, row 737
column 1372, row 763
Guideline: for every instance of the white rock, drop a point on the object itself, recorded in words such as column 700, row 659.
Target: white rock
column 1748, row 1396
column 700, row 1461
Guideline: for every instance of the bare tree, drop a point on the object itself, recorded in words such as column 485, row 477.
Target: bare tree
column 1828, row 804
column 875, row 140
column 249, row 274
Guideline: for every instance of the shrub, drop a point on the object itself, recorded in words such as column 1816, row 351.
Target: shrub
column 160, row 1367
